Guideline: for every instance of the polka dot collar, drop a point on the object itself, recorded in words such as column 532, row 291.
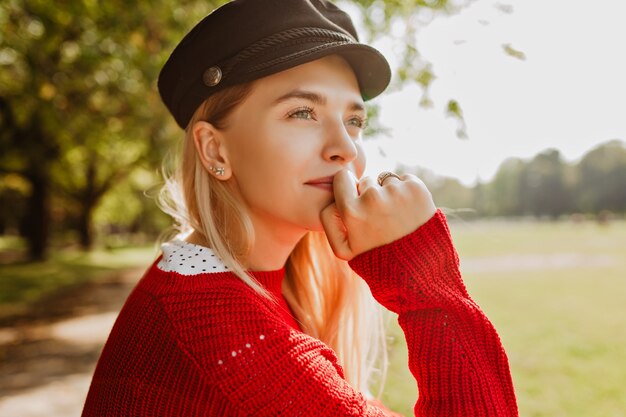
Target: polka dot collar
column 189, row 259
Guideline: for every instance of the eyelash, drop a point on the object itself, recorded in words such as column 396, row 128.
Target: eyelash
column 308, row 110
column 361, row 121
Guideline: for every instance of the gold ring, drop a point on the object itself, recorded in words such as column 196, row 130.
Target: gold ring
column 386, row 174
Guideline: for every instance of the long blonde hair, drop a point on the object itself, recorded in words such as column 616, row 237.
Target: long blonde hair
column 329, row 300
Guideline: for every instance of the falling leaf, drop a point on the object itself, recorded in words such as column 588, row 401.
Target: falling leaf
column 454, row 109
column 504, row 8
column 515, row 53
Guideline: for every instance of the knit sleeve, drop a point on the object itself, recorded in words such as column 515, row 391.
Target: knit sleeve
column 259, row 365
column 455, row 353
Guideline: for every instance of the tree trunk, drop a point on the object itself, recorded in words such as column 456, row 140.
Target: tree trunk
column 85, row 230
column 36, row 221
column 89, row 198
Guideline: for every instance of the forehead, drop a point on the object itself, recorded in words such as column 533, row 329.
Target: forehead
column 330, row 76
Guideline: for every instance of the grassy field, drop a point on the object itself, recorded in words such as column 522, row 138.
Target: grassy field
column 556, row 292
column 23, row 285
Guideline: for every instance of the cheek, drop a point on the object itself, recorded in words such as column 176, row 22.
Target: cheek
column 261, row 161
column 247, row 147
column 361, row 160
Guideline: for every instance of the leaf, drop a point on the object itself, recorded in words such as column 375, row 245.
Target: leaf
column 453, row 109
column 504, row 8
column 515, row 53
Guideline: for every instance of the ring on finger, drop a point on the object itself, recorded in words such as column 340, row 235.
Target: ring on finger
column 386, row 174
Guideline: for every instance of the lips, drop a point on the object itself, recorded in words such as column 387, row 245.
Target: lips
column 324, row 180
column 325, row 183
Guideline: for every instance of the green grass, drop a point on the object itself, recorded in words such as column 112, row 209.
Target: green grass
column 563, row 326
column 24, row 284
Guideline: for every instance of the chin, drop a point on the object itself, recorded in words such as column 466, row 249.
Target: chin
column 318, row 228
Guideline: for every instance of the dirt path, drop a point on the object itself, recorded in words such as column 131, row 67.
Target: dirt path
column 47, row 358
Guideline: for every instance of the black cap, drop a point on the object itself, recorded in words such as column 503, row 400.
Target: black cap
column 245, row 40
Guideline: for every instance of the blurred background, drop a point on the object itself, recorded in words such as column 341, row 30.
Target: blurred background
column 511, row 111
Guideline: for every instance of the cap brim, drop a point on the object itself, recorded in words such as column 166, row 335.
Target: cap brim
column 370, row 66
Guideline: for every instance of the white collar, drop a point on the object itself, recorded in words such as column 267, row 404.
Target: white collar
column 189, row 259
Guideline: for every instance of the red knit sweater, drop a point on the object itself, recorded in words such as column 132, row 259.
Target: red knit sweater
column 204, row 344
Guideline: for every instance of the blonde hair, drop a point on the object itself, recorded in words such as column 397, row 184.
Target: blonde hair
column 329, row 300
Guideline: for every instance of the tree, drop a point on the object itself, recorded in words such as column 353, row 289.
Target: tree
column 79, row 108
column 544, row 189
column 410, row 16
column 601, row 181
column 506, row 189
column 450, row 193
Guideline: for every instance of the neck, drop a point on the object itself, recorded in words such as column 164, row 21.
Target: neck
column 270, row 250
column 272, row 247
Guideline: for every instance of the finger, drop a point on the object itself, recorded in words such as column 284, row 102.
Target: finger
column 336, row 232
column 365, row 183
column 344, row 187
column 411, row 177
column 389, row 177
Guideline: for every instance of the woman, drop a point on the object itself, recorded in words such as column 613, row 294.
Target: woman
column 258, row 311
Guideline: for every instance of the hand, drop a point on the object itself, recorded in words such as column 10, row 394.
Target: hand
column 366, row 215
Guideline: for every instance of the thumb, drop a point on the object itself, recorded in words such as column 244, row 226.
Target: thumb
column 345, row 189
column 336, row 232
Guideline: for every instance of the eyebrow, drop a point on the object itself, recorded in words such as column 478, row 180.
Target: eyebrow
column 314, row 98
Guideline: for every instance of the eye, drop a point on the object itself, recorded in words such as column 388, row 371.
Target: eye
column 305, row 113
column 357, row 121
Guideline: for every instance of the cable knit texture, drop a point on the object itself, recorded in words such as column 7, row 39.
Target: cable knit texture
column 193, row 342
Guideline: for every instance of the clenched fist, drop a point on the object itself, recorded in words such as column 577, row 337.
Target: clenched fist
column 366, row 215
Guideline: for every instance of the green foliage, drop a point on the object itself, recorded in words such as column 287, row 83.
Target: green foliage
column 506, row 197
column 542, row 186
column 602, row 178
column 129, row 211
column 401, row 21
column 79, row 109
column 379, row 16
column 447, row 192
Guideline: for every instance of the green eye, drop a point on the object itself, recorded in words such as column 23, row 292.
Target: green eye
column 358, row 122
column 305, row 113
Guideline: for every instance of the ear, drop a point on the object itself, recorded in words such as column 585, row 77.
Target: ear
column 211, row 150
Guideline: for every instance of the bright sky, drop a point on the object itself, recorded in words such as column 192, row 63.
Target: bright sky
column 569, row 93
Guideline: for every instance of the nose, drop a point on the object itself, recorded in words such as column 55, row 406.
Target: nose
column 339, row 145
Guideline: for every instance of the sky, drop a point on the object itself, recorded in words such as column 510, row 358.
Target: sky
column 568, row 93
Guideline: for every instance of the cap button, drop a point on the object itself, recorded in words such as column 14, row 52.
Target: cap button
column 212, row 76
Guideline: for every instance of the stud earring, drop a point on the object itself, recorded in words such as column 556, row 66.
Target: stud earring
column 218, row 170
